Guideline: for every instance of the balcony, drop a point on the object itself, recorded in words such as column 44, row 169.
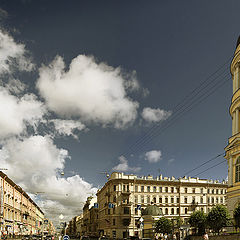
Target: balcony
column 126, row 192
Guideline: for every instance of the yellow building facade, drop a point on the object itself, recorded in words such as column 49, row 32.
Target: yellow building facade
column 19, row 214
column 122, row 198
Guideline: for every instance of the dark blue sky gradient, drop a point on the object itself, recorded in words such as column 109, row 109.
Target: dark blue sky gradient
column 172, row 45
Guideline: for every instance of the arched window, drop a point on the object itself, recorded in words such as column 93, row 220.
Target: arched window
column 166, row 211
column 172, row 211
column 237, row 170
column 186, row 210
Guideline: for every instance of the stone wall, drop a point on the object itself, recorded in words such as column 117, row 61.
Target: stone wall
column 220, row 237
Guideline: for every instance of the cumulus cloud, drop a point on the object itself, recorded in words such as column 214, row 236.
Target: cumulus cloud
column 13, row 55
column 155, row 115
column 153, row 156
column 35, row 163
column 67, row 127
column 16, row 113
column 93, row 92
column 124, row 167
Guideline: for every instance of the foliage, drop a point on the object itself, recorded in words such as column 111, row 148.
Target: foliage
column 236, row 216
column 163, row 225
column 198, row 220
column 218, row 217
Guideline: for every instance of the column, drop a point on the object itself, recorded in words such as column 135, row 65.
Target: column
column 237, row 77
column 230, row 173
column 237, row 121
column 234, row 81
column 233, row 123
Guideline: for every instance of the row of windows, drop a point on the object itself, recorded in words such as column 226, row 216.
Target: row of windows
column 139, row 188
column 176, row 200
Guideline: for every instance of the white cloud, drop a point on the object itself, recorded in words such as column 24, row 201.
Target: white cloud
column 67, row 127
column 123, row 166
column 155, row 115
column 15, row 86
column 16, row 113
column 153, row 156
column 35, row 163
column 88, row 90
column 171, row 160
column 13, row 55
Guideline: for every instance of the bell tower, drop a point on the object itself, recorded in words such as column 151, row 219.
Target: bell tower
column 233, row 149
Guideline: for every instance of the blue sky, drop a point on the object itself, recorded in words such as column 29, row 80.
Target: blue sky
column 104, row 73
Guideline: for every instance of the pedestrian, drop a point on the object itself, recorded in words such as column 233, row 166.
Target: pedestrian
column 205, row 236
column 174, row 237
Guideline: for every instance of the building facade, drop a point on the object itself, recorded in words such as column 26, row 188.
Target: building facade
column 19, row 214
column 233, row 148
column 123, row 197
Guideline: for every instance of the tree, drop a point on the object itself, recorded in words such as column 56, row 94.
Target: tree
column 218, row 217
column 163, row 225
column 236, row 216
column 198, row 220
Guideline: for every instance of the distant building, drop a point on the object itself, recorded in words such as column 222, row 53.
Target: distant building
column 123, row 197
column 233, row 148
column 19, row 214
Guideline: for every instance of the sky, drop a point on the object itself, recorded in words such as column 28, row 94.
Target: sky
column 87, row 87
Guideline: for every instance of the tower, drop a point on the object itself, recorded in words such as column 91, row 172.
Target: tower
column 233, row 148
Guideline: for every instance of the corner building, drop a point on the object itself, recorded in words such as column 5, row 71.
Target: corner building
column 233, row 148
column 122, row 198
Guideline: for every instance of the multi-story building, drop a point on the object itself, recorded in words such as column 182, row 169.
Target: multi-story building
column 90, row 217
column 122, row 198
column 19, row 214
column 233, row 148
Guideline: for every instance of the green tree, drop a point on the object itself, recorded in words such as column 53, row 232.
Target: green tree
column 198, row 220
column 218, row 217
column 163, row 225
column 236, row 216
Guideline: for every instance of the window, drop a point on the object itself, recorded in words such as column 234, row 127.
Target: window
column 142, row 199
column 142, row 188
column 185, row 200
column 221, row 191
column 201, row 200
column 221, row 199
column 172, row 211
column 212, row 191
column 114, row 210
column 109, row 211
column 114, row 187
column 148, row 188
column 217, row 191
column 172, row 189
column 136, row 211
column 193, row 200
column 125, row 210
column 193, row 190
column 177, row 210
column 178, row 200
column 166, row 189
column 166, row 200
column 160, row 200
column 136, row 188
column 160, row 189
column 185, row 190
column 124, row 188
column 208, row 191
column 237, row 170
column 212, row 199
column 177, row 190
column 148, row 199
column 202, row 209
column 208, row 200
column 185, row 210
column 136, row 199
column 154, row 200
column 216, row 199
column 154, row 189
column 114, row 199
column 201, row 190
column 172, row 199
column 166, row 211
column 114, row 222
